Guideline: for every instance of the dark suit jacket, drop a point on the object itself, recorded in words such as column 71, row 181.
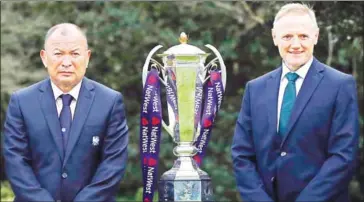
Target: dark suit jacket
column 33, row 151
column 314, row 161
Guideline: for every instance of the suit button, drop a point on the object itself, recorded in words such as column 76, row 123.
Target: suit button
column 272, row 179
column 64, row 175
column 283, row 153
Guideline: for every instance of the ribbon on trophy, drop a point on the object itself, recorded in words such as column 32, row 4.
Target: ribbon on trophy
column 150, row 133
column 213, row 97
column 171, row 94
column 198, row 99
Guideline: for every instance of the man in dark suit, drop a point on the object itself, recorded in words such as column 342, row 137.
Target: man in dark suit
column 65, row 138
column 296, row 137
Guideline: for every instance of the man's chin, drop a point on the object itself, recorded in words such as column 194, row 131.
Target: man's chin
column 295, row 63
column 66, row 81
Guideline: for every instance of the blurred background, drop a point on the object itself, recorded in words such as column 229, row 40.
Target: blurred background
column 121, row 34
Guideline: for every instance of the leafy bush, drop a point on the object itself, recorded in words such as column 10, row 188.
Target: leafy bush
column 6, row 192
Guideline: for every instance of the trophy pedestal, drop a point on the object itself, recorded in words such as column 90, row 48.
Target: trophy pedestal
column 185, row 182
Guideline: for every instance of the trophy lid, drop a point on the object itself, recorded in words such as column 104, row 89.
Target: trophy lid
column 183, row 48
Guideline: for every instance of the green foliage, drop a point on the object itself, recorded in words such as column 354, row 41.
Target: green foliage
column 139, row 195
column 6, row 192
column 121, row 34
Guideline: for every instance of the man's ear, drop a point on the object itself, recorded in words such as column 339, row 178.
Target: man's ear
column 88, row 57
column 43, row 55
column 274, row 37
column 317, row 35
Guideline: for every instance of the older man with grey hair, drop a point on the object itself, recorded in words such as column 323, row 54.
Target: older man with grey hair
column 296, row 137
column 65, row 138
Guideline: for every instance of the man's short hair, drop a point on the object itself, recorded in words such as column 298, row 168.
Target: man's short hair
column 296, row 8
column 65, row 30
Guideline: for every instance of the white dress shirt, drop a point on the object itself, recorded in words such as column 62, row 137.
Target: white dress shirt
column 74, row 92
column 302, row 72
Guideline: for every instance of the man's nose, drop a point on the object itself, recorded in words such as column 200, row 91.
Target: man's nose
column 296, row 43
column 67, row 61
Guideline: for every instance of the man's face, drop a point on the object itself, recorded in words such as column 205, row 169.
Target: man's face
column 66, row 58
column 295, row 36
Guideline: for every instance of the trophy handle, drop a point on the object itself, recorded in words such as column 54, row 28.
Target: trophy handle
column 147, row 61
column 168, row 128
column 223, row 76
column 144, row 78
column 222, row 65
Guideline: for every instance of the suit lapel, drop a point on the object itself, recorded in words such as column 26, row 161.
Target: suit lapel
column 309, row 85
column 83, row 107
column 49, row 109
column 272, row 88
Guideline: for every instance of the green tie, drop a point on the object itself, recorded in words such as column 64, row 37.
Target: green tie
column 288, row 101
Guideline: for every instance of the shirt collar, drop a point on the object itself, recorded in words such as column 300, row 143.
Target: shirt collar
column 75, row 91
column 302, row 71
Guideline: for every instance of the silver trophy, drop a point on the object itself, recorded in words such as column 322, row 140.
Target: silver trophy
column 185, row 181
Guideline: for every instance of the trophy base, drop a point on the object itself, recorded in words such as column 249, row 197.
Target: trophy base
column 185, row 182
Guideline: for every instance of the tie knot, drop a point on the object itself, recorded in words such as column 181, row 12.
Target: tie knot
column 66, row 99
column 292, row 76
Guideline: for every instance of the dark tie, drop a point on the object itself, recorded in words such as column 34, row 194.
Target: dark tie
column 65, row 118
column 287, row 104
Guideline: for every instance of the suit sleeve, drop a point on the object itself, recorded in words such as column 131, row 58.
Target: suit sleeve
column 105, row 183
column 336, row 172
column 249, row 183
column 17, row 157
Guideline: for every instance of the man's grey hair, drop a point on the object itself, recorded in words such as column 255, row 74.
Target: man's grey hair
column 296, row 8
column 65, row 29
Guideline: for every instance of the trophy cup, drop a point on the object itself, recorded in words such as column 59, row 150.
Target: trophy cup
column 194, row 94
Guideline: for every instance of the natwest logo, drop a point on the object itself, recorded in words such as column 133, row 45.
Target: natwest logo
column 155, row 121
column 152, row 79
column 215, row 76
column 207, row 123
column 144, row 121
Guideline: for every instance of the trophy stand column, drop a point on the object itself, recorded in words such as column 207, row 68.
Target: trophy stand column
column 185, row 181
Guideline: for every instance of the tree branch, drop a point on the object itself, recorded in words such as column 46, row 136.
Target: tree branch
column 238, row 14
column 253, row 16
column 331, row 42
